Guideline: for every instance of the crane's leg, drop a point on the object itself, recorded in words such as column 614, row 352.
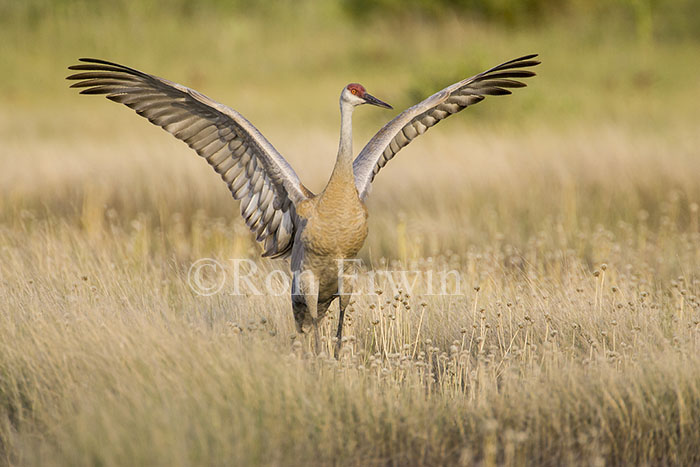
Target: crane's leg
column 309, row 289
column 312, row 306
column 342, row 304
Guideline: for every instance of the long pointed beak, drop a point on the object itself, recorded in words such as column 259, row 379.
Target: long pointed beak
column 370, row 99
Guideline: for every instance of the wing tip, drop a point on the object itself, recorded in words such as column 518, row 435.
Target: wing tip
column 524, row 61
column 87, row 60
column 97, row 64
column 97, row 60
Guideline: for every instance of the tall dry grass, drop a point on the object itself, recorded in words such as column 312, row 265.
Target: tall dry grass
column 575, row 339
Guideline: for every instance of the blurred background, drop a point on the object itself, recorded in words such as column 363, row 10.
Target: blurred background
column 606, row 130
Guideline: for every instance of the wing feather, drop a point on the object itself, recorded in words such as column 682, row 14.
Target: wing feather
column 416, row 120
column 254, row 171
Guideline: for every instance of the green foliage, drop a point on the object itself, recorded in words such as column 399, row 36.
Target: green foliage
column 671, row 18
column 500, row 11
column 647, row 17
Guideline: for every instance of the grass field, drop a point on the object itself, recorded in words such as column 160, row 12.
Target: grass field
column 570, row 210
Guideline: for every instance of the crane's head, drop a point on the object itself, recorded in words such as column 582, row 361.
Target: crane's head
column 356, row 94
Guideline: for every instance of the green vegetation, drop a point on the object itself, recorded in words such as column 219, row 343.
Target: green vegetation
column 570, row 210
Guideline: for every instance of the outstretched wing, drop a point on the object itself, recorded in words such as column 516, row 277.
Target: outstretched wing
column 416, row 120
column 254, row 171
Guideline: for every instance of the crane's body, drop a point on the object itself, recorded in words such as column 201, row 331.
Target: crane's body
column 316, row 232
column 333, row 228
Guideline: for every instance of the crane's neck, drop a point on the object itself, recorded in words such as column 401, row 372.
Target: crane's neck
column 342, row 172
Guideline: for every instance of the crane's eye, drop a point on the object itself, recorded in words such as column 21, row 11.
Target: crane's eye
column 354, row 91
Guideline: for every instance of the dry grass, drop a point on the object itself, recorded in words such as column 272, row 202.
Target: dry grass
column 574, row 228
column 108, row 356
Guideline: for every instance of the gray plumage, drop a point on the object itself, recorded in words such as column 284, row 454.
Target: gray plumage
column 254, row 171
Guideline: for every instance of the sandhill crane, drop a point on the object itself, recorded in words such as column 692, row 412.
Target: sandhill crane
column 315, row 231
